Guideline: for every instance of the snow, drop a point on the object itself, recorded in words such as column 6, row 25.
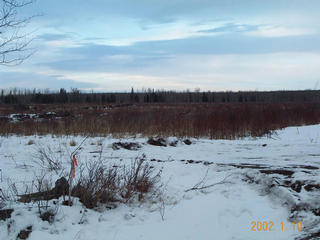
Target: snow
column 224, row 211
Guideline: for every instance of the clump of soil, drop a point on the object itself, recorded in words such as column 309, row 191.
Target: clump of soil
column 126, row 145
column 187, row 142
column 5, row 214
column 296, row 186
column 24, row 234
column 47, row 216
column 157, row 142
column 67, row 203
column 311, row 187
column 284, row 172
column 173, row 143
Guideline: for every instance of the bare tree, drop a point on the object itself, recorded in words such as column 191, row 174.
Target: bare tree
column 14, row 43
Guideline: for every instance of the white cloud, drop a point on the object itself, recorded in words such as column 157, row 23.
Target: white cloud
column 213, row 44
column 287, row 70
column 61, row 44
column 271, row 31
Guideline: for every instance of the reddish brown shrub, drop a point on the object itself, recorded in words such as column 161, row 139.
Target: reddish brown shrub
column 217, row 121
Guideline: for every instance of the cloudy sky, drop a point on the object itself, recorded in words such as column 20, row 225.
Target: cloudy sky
column 113, row 45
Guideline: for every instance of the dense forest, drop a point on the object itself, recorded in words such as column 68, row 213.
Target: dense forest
column 25, row 96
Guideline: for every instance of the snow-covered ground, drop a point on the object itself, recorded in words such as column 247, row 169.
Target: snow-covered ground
column 263, row 180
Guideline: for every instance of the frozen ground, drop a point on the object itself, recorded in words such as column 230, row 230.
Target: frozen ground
column 265, row 179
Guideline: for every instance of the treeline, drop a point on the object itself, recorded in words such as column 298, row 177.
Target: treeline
column 25, row 96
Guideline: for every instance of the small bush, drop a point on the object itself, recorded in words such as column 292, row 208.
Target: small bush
column 100, row 185
column 116, row 184
column 30, row 142
column 139, row 178
column 24, row 233
column 73, row 143
column 48, row 216
column 38, row 191
column 46, row 158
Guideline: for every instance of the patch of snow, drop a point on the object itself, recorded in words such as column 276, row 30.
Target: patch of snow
column 224, row 211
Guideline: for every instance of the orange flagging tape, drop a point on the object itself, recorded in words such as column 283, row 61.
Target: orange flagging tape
column 75, row 160
column 75, row 163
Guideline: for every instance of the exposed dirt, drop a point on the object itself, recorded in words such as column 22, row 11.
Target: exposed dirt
column 47, row 216
column 24, row 234
column 157, row 142
column 5, row 214
column 284, row 172
column 126, row 145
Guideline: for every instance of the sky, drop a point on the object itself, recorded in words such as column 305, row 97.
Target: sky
column 214, row 45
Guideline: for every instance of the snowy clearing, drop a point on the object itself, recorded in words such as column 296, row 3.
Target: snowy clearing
column 264, row 180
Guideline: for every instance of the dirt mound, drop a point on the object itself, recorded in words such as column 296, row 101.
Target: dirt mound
column 24, row 234
column 157, row 142
column 126, row 145
column 5, row 213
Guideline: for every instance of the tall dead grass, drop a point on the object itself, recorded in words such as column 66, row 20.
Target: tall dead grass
column 102, row 184
column 217, row 121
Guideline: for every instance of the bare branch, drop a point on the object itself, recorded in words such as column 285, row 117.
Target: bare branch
column 197, row 186
column 14, row 43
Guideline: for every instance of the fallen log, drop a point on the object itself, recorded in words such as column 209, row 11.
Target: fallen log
column 61, row 188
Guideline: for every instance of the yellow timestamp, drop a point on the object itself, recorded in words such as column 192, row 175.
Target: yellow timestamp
column 258, row 226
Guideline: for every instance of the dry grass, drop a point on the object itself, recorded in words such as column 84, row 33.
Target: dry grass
column 216, row 121
column 48, row 159
column 30, row 142
column 73, row 143
column 103, row 184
